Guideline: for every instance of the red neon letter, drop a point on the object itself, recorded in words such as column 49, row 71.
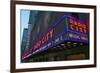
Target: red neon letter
column 71, row 21
column 51, row 33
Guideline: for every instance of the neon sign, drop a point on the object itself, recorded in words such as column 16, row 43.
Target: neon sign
column 77, row 26
column 74, row 24
column 44, row 39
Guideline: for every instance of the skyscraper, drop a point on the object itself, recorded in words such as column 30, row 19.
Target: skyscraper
column 24, row 40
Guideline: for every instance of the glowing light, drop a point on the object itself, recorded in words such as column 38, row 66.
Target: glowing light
column 44, row 39
column 77, row 26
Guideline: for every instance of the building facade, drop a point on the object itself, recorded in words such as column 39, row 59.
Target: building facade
column 57, row 36
column 24, row 40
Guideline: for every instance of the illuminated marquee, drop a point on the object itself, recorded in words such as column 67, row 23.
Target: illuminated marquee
column 77, row 31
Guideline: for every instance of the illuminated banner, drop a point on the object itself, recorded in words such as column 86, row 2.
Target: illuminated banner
column 66, row 28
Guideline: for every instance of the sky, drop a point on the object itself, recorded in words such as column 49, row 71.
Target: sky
column 24, row 20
